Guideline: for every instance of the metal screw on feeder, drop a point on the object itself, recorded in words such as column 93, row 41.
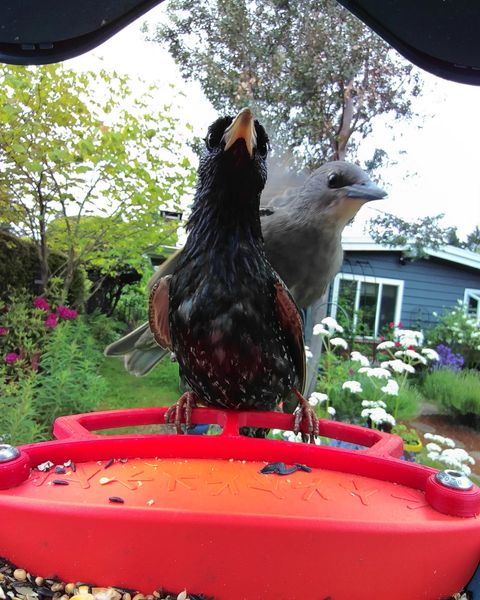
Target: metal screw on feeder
column 8, row 453
column 454, row 480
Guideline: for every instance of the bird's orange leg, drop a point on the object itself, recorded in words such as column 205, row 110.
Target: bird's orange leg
column 305, row 411
column 185, row 404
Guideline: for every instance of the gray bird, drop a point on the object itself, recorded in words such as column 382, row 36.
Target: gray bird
column 302, row 230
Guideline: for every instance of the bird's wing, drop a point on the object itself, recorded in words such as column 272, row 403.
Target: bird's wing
column 158, row 312
column 166, row 268
column 291, row 323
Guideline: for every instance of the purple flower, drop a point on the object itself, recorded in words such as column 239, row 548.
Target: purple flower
column 66, row 313
column 448, row 359
column 51, row 321
column 3, row 331
column 41, row 303
column 11, row 358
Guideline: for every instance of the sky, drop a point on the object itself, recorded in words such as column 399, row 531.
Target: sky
column 437, row 154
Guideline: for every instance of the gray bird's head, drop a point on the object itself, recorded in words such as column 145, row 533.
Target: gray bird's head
column 337, row 190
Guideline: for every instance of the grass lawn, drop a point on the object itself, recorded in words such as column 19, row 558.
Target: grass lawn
column 158, row 388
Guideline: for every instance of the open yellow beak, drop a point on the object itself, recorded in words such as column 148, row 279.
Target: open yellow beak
column 242, row 127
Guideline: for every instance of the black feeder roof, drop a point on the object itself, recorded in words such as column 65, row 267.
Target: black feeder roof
column 440, row 36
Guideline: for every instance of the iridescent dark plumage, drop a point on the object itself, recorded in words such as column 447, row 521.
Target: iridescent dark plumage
column 234, row 328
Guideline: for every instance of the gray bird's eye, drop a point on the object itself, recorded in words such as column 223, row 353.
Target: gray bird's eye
column 334, row 181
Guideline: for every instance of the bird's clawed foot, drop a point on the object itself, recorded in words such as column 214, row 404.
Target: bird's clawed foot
column 185, row 404
column 305, row 411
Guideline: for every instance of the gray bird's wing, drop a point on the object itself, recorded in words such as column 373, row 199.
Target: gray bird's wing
column 139, row 348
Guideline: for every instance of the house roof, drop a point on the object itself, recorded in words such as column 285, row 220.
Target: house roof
column 453, row 254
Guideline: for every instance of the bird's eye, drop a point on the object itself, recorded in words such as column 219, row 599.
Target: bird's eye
column 210, row 141
column 262, row 148
column 334, row 181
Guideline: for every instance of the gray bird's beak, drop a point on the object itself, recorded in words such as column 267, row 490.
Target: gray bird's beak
column 364, row 191
column 242, row 126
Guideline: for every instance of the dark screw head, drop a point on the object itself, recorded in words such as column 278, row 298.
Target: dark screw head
column 455, row 480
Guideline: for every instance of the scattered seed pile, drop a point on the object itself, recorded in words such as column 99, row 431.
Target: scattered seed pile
column 17, row 584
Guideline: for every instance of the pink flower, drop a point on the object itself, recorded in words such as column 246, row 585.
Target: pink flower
column 51, row 321
column 11, row 358
column 382, row 338
column 66, row 313
column 41, row 303
column 3, row 331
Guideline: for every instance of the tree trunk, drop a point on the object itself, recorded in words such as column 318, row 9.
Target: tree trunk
column 344, row 131
column 43, row 246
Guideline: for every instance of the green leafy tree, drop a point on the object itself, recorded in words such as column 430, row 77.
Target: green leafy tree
column 418, row 236
column 87, row 166
column 313, row 72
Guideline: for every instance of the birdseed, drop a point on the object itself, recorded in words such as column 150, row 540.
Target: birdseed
column 18, row 583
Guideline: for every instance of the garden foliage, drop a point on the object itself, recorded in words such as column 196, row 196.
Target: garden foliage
column 457, row 392
column 460, row 332
column 49, row 365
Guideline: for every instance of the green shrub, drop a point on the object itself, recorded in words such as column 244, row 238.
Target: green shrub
column 18, row 424
column 460, row 332
column 457, row 392
column 103, row 329
column 68, row 381
column 20, row 268
column 25, row 326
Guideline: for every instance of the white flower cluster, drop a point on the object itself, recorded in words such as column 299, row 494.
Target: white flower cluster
column 430, row 353
column 338, row 341
column 327, row 326
column 378, row 372
column 289, row 436
column 407, row 337
column 373, row 404
column 411, row 354
column 391, row 388
column 440, row 439
column 359, row 357
column 457, row 458
column 378, row 415
column 317, row 398
column 354, row 387
column 398, row 366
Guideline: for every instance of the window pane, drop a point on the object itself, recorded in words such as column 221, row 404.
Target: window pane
column 346, row 302
column 387, row 306
column 367, row 308
column 472, row 305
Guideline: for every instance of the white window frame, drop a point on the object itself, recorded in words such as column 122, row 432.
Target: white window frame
column 475, row 294
column 399, row 283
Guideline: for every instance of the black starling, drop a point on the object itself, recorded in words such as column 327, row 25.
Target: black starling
column 232, row 324
column 302, row 230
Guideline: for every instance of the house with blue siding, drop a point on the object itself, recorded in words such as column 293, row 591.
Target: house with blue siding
column 377, row 286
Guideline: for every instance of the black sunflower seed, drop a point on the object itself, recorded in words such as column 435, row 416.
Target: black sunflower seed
column 116, row 499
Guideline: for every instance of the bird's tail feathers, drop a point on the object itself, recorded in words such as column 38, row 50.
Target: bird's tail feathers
column 140, row 362
column 127, row 343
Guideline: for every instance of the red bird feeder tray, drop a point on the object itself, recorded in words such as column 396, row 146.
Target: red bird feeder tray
column 195, row 512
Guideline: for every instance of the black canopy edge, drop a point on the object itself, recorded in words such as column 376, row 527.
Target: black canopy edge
column 442, row 68
column 57, row 51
